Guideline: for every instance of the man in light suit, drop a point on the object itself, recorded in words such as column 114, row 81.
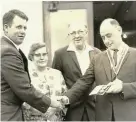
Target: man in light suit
column 72, row 61
column 119, row 101
column 16, row 85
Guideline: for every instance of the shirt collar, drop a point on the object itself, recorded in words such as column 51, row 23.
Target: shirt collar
column 71, row 47
column 12, row 42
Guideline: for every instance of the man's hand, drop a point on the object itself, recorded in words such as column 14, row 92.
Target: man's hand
column 56, row 104
column 115, row 87
column 63, row 99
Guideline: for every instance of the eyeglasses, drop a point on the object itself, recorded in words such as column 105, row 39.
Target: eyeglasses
column 77, row 32
column 40, row 54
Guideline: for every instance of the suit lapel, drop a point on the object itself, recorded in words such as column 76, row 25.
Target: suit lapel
column 106, row 65
column 18, row 52
column 25, row 62
column 126, row 57
column 74, row 58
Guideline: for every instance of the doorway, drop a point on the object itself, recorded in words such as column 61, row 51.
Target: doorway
column 57, row 16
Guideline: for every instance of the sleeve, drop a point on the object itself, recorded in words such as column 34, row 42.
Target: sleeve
column 18, row 80
column 82, row 84
column 129, row 90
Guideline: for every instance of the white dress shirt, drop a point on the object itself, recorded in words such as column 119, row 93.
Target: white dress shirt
column 82, row 57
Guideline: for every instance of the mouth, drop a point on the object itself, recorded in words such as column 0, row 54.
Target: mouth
column 21, row 37
column 42, row 62
column 77, row 40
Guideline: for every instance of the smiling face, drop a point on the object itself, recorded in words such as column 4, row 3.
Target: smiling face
column 77, row 34
column 111, row 35
column 41, row 57
column 17, row 30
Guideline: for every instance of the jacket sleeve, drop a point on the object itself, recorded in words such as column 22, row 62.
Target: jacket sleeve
column 129, row 90
column 82, row 84
column 17, row 78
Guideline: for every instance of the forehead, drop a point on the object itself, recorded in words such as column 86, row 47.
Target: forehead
column 19, row 21
column 41, row 50
column 76, row 27
column 107, row 28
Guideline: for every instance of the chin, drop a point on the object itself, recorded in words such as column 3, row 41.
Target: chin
column 20, row 42
column 79, row 45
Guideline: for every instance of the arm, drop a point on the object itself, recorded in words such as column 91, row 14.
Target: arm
column 129, row 90
column 18, row 80
column 82, row 84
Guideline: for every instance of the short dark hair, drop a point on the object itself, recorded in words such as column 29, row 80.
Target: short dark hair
column 33, row 48
column 9, row 16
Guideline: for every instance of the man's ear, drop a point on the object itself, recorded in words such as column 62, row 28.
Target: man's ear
column 119, row 28
column 5, row 27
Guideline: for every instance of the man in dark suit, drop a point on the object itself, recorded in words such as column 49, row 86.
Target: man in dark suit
column 15, row 80
column 116, row 68
column 72, row 61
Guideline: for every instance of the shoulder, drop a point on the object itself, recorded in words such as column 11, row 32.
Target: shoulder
column 8, row 49
column 99, row 55
column 9, row 52
column 132, row 50
column 96, row 50
column 61, row 50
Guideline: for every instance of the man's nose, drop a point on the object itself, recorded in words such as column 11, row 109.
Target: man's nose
column 41, row 57
column 106, row 40
column 76, row 35
column 23, row 30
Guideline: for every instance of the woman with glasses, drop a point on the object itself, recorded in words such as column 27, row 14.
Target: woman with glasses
column 45, row 79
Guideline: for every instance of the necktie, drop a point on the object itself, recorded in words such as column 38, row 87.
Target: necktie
column 115, row 56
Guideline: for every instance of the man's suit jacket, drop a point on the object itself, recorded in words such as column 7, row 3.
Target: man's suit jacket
column 15, row 84
column 67, row 63
column 99, row 70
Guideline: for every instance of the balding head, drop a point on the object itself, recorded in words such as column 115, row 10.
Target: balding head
column 111, row 32
column 109, row 23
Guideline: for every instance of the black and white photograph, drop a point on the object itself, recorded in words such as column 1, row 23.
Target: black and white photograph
column 68, row 60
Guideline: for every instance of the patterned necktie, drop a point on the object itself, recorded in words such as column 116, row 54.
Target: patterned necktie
column 115, row 56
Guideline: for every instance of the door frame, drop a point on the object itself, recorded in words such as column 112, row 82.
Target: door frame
column 67, row 5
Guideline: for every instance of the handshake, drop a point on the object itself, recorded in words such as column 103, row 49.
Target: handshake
column 59, row 102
